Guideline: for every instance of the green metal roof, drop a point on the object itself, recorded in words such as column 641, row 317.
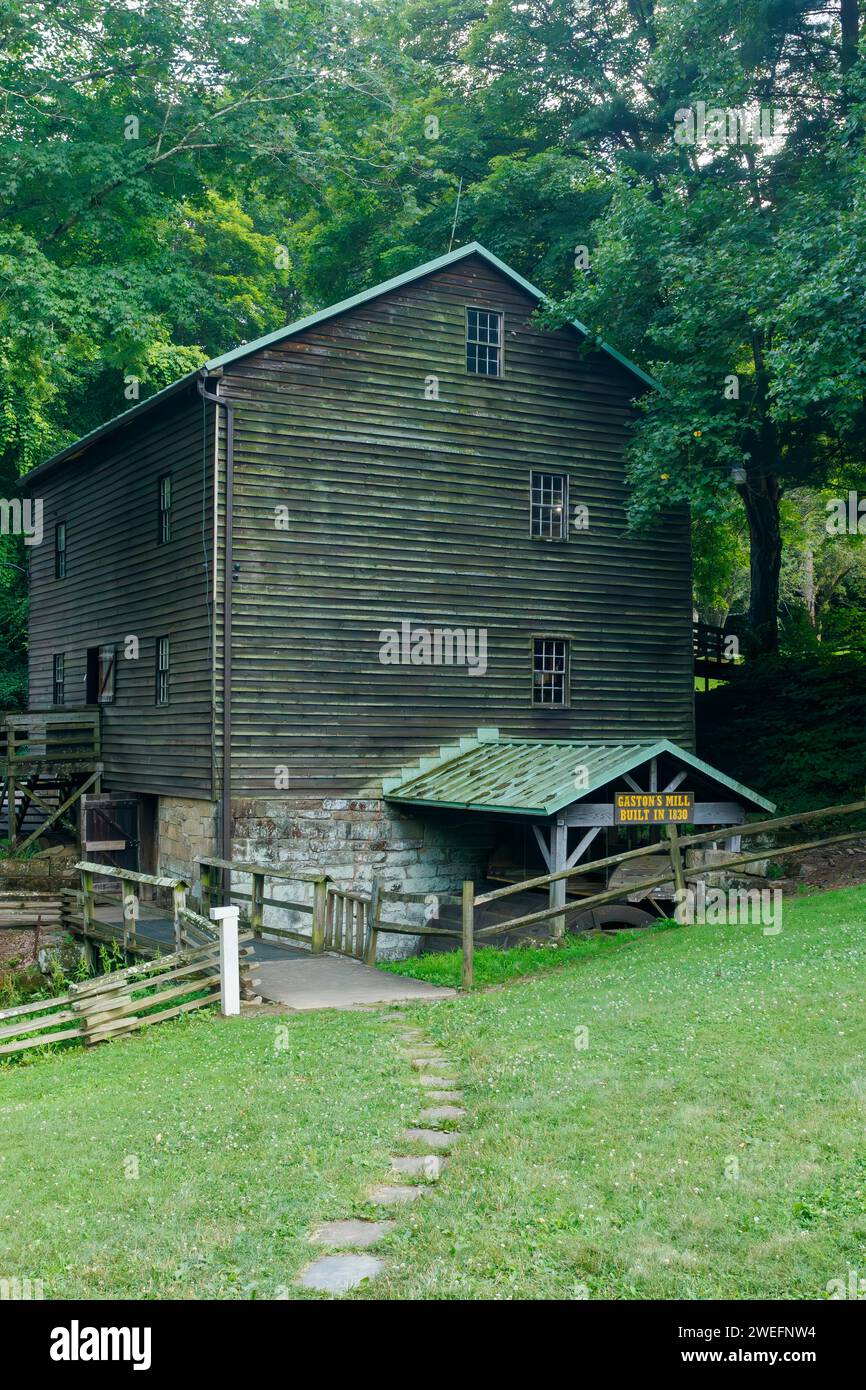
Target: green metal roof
column 473, row 248
column 534, row 776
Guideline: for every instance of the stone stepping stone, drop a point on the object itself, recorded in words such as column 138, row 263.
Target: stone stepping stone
column 422, row 1063
column 391, row 1194
column 442, row 1112
column 445, row 1097
column 339, row 1273
column 342, row 1235
column 414, row 1035
column 429, row 1166
column 436, row 1138
column 436, row 1083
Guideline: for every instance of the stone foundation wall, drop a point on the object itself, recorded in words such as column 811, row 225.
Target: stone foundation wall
column 184, row 829
column 353, row 840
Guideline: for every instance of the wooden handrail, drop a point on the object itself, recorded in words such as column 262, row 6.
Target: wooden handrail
column 111, row 871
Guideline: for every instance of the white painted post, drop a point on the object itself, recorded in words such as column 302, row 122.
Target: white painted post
column 230, row 980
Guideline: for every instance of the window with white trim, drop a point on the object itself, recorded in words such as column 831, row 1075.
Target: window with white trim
column 483, row 342
column 58, row 683
column 550, row 671
column 163, row 663
column 548, row 506
column 164, row 518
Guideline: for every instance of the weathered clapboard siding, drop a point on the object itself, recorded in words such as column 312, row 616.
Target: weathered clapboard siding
column 120, row 582
column 403, row 507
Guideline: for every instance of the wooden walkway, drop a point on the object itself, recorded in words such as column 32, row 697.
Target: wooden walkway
column 293, row 976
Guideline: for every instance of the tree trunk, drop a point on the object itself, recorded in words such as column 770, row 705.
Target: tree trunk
column 760, row 496
column 849, row 15
column 808, row 587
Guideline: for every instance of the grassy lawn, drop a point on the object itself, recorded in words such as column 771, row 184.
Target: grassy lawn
column 240, row 1146
column 495, row 967
column 707, row 1143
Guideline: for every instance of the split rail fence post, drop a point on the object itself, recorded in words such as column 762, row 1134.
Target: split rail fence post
column 178, row 896
column 88, row 911
column 468, row 917
column 676, row 859
column 131, row 892
column 257, row 904
column 320, row 913
column 372, row 945
column 230, row 976
column 206, row 880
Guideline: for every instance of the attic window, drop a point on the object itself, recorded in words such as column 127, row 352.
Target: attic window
column 483, row 342
column 548, row 506
column 549, row 671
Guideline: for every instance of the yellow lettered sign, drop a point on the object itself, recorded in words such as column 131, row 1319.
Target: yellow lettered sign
column 652, row 808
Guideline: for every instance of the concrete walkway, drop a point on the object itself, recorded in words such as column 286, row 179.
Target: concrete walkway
column 305, row 982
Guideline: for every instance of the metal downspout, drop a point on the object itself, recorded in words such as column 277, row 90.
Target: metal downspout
column 226, row 800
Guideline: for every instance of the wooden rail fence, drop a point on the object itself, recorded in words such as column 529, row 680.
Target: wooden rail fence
column 114, row 1005
column 678, row 874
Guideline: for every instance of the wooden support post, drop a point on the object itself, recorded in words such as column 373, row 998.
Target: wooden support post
column 676, row 859
column 558, row 856
column 468, row 918
column 257, row 904
column 12, row 826
column 230, row 983
column 88, row 912
column 320, row 914
column 205, row 875
column 178, row 895
column 372, row 944
column 131, row 913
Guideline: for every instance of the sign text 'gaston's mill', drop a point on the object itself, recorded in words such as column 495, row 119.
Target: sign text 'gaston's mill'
column 652, row 808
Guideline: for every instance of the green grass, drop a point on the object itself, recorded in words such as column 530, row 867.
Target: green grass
column 602, row 1172
column 495, row 967
column 240, row 1148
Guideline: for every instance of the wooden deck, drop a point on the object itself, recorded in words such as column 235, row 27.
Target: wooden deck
column 47, row 761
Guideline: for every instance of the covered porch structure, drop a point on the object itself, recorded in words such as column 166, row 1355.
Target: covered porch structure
column 565, row 797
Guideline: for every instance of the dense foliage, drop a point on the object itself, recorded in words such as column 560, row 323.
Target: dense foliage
column 183, row 175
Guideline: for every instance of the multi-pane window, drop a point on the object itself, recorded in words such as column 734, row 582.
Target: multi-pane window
column 549, row 671
column 164, row 522
column 548, row 506
column 162, row 670
column 483, row 342
column 59, row 677
column 60, row 550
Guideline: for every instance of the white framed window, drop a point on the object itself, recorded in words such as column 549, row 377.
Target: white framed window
column 550, row 671
column 163, row 533
column 548, row 506
column 484, row 342
column 163, row 669
column 60, row 550
column 58, row 683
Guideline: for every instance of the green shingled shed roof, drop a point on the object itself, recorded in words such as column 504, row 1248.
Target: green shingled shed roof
column 534, row 776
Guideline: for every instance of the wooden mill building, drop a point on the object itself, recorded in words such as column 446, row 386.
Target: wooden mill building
column 362, row 594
